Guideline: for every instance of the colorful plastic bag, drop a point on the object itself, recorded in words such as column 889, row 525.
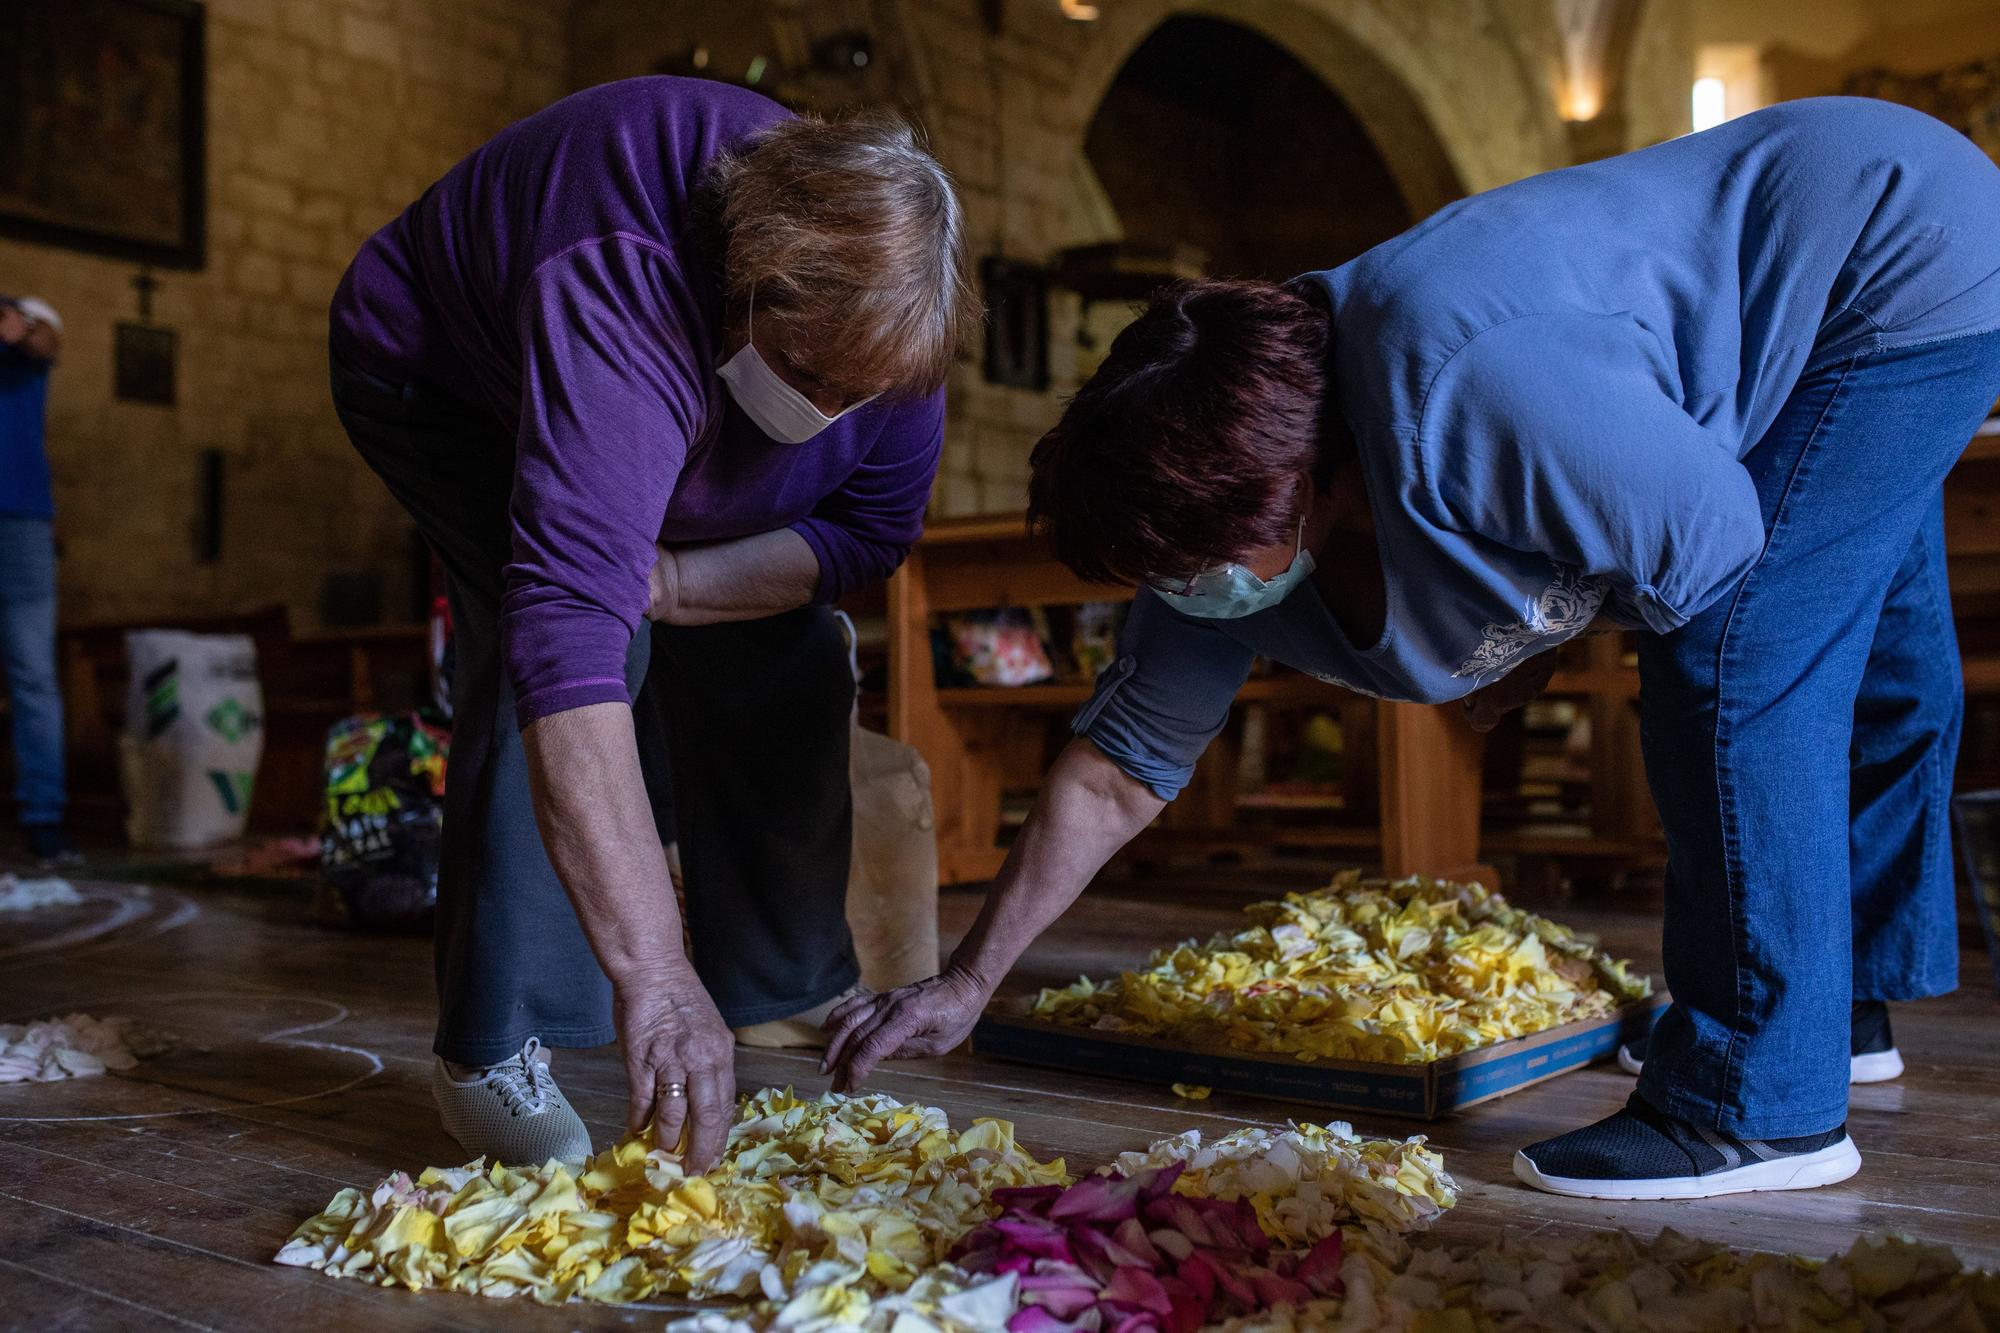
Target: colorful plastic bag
column 384, row 811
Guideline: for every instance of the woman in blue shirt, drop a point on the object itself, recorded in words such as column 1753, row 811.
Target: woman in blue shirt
column 1708, row 391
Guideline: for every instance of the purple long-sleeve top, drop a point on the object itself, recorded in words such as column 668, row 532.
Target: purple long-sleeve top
column 553, row 279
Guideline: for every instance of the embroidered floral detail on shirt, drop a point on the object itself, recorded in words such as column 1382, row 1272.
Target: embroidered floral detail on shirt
column 1329, row 678
column 1564, row 607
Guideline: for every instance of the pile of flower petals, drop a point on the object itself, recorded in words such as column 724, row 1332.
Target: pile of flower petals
column 74, row 1046
column 26, row 895
column 1304, row 1181
column 1671, row 1284
column 831, row 1297
column 817, row 1206
column 1402, row 971
column 1125, row 1254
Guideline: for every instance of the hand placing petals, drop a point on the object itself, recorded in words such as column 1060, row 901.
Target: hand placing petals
column 927, row 1018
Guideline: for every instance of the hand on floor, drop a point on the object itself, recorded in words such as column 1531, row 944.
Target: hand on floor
column 680, row 1063
column 927, row 1018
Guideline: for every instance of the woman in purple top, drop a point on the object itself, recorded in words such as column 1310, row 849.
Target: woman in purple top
column 663, row 352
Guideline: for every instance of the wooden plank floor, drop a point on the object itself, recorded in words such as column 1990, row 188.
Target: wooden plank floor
column 155, row 1200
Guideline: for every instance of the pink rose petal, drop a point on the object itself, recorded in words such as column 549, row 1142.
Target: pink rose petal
column 1027, row 1198
column 1058, row 1269
column 1095, row 1262
column 1176, row 1212
column 1319, row 1267
column 1061, row 1295
column 1189, row 1311
column 1110, row 1198
column 1034, row 1319
column 1131, row 1237
column 1043, row 1239
column 1137, row 1323
column 1199, row 1277
column 1091, row 1240
column 1137, row 1286
column 1274, row 1290
column 1230, row 1283
column 1064, row 1302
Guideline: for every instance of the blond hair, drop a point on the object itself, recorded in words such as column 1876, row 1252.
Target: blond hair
column 844, row 239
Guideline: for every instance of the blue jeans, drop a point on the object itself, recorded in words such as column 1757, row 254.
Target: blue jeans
column 1800, row 737
column 28, row 641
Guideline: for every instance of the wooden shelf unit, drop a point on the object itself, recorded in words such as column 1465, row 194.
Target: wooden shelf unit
column 1427, row 759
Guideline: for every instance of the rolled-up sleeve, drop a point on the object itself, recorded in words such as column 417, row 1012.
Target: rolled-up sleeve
column 1158, row 706
column 1562, row 434
column 608, row 403
column 864, row 530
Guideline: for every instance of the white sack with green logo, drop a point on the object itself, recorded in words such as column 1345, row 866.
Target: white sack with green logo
column 194, row 733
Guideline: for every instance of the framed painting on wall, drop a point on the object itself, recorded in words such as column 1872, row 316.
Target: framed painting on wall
column 101, row 127
column 1017, row 323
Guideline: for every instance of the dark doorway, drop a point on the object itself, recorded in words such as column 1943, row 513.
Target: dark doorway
column 1215, row 137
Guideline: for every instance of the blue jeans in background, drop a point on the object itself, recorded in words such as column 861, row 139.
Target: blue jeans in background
column 28, row 642
column 1800, row 737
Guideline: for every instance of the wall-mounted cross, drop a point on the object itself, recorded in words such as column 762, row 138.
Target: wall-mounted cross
column 145, row 284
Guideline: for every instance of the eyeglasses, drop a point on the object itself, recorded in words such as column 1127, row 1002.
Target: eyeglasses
column 1175, row 587
column 1172, row 585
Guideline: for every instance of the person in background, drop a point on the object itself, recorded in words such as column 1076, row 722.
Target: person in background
column 30, row 342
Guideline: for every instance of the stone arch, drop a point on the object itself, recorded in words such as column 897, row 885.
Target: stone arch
column 1360, row 71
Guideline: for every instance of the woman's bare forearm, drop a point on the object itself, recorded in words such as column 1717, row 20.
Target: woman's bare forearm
column 597, row 824
column 1088, row 809
column 745, row 579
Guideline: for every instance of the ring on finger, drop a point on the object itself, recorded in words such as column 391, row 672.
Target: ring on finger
column 677, row 1090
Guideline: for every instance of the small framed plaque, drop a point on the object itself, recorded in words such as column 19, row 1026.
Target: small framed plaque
column 143, row 363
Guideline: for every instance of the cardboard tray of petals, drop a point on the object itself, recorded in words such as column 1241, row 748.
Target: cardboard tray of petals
column 1428, row 1091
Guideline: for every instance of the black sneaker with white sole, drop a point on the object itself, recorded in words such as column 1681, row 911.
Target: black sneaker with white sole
column 1642, row 1153
column 1873, row 1057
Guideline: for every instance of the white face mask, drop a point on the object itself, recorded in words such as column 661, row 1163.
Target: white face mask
column 779, row 410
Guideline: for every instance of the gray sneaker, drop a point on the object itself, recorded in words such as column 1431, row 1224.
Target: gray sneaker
column 512, row 1113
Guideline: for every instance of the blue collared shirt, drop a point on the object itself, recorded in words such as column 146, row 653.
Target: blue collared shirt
column 24, row 463
column 1552, row 387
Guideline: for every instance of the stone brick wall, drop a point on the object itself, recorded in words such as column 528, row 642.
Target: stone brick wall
column 326, row 118
column 1457, row 94
column 1452, row 91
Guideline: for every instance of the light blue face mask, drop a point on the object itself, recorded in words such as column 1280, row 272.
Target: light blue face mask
column 1230, row 591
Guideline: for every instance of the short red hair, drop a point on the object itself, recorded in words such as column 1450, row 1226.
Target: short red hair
column 1183, row 450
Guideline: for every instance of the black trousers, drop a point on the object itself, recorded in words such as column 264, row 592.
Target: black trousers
column 743, row 738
